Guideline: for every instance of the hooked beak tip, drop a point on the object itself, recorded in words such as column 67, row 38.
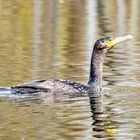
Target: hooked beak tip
column 122, row 38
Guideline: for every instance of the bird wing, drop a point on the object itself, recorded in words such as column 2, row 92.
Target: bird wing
column 53, row 85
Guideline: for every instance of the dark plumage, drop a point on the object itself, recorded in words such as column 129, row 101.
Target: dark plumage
column 95, row 78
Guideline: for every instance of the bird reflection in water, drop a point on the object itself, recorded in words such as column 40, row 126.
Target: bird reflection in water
column 103, row 127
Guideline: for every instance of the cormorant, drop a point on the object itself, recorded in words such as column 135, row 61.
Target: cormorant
column 94, row 85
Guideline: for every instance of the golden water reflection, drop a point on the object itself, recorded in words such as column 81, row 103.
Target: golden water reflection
column 42, row 39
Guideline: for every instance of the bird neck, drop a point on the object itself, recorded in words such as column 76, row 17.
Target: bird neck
column 96, row 67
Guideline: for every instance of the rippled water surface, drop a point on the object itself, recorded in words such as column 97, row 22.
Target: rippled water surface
column 42, row 39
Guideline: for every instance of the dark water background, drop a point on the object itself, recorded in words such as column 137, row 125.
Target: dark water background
column 42, row 39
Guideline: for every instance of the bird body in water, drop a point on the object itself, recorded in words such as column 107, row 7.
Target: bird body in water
column 94, row 85
column 50, row 85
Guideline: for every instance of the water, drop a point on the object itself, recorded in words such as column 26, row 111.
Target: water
column 53, row 39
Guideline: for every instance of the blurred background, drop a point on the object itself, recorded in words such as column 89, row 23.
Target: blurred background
column 41, row 39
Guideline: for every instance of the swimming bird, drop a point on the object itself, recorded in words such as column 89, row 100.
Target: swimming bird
column 94, row 84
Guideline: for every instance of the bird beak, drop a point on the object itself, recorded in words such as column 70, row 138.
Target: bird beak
column 117, row 40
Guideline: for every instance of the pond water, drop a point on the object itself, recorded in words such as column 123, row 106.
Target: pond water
column 53, row 39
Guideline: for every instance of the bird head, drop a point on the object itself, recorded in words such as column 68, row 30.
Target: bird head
column 108, row 43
